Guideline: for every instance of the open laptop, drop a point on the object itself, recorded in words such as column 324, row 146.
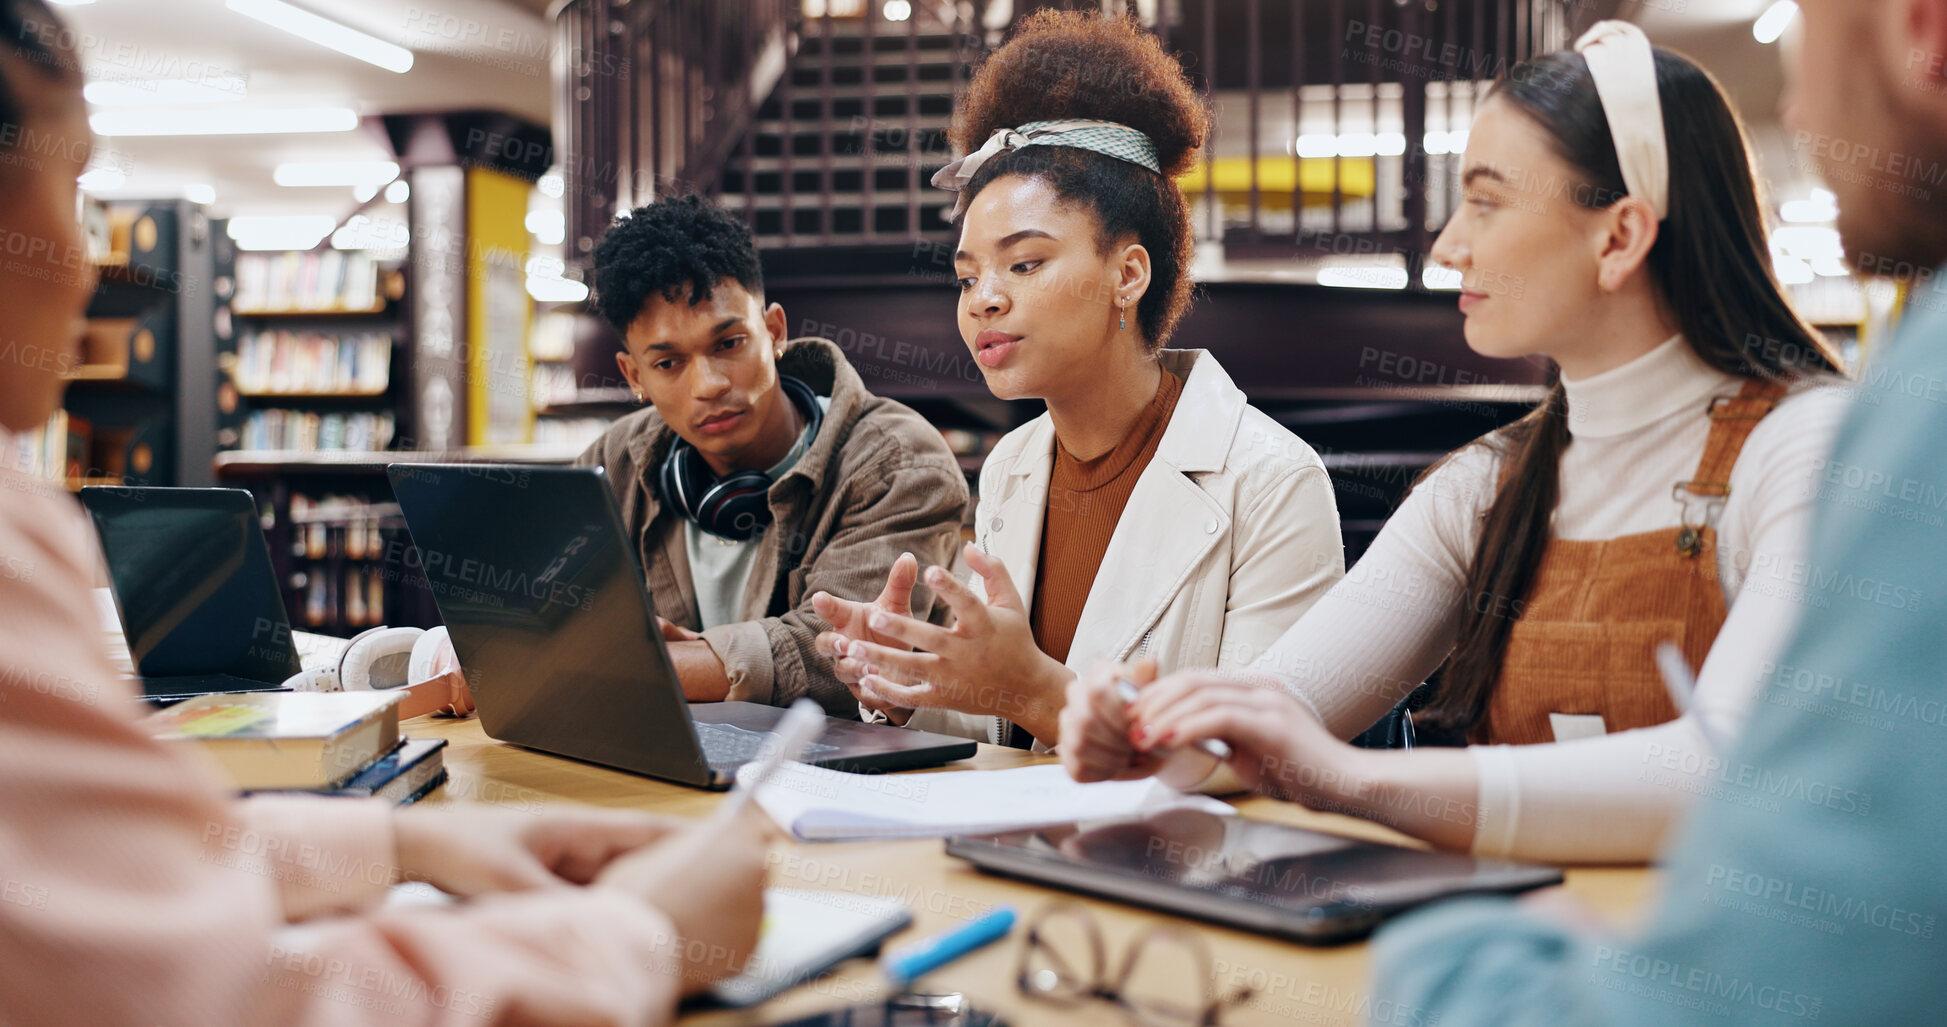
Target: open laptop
column 194, row 589
column 543, row 594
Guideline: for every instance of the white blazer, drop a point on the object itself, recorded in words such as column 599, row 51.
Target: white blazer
column 1230, row 535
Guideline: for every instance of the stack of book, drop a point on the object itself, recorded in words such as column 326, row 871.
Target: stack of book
column 325, row 743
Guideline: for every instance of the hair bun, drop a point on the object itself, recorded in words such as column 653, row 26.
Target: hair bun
column 1073, row 64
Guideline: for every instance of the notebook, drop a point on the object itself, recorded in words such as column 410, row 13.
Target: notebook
column 815, row 804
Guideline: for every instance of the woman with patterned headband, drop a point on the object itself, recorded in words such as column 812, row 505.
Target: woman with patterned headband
column 1659, row 494
column 1151, row 511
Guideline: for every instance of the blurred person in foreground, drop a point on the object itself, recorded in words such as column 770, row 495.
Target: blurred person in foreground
column 139, row 890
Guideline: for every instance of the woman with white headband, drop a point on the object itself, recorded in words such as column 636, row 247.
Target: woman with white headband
column 1660, row 493
column 1151, row 511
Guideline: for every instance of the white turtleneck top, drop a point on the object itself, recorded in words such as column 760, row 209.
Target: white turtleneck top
column 1635, row 430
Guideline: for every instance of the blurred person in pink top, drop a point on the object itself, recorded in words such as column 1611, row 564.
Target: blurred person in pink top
column 135, row 889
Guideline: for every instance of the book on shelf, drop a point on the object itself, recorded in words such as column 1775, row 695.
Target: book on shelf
column 553, row 336
column 62, row 448
column 77, row 443
column 414, row 767
column 553, row 385
column 277, row 362
column 268, row 740
column 334, row 280
column 310, row 431
column 342, row 597
column 42, row 452
column 576, row 432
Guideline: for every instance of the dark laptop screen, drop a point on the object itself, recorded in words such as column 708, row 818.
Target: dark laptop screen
column 542, row 593
column 193, row 582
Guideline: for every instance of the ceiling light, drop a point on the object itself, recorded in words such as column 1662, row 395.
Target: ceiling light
column 1773, row 22
column 365, row 233
column 398, row 191
column 280, row 231
column 1821, row 207
column 556, row 290
column 224, row 121
column 1807, row 242
column 327, row 33
column 165, row 92
column 1363, row 277
column 898, row 10
column 204, row 194
column 96, row 179
column 547, row 225
column 1366, row 144
column 345, row 172
column 1433, row 276
column 1791, row 270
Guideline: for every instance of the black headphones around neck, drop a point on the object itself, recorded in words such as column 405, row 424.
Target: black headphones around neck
column 736, row 507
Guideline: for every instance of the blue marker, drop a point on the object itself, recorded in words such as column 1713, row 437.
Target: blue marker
column 908, row 962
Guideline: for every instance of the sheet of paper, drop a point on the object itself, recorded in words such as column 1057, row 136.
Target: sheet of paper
column 828, row 805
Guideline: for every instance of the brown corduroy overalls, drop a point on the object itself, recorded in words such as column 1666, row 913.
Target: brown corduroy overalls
column 1586, row 638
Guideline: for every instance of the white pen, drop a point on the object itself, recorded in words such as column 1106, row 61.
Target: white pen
column 800, row 726
column 1682, row 686
column 1126, row 690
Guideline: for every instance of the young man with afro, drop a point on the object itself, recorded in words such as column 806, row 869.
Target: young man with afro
column 762, row 472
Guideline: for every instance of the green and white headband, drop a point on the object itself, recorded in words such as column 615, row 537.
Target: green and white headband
column 1116, row 140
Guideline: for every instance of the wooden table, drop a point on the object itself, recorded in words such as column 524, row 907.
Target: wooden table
column 1292, row 983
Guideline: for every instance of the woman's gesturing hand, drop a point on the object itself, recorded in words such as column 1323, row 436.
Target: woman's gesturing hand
column 986, row 663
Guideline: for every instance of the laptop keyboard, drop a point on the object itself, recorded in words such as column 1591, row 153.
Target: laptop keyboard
column 726, row 747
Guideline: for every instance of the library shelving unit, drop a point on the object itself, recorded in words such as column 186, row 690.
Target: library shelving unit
column 308, row 396
column 139, row 400
column 337, row 539
column 578, row 391
column 345, row 361
column 1852, row 312
column 319, row 342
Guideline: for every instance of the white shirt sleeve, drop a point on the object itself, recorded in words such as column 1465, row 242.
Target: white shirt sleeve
column 1613, row 798
column 1391, row 620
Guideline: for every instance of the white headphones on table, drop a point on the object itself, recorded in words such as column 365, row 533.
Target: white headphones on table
column 419, row 663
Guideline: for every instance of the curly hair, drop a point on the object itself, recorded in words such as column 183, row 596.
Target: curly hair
column 660, row 249
column 1071, row 64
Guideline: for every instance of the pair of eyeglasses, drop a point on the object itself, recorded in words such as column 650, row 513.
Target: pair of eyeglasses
column 1166, row 979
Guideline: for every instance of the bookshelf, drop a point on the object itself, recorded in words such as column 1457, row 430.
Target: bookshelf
column 338, row 543
column 316, row 351
column 139, row 397
column 577, row 390
column 341, row 362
